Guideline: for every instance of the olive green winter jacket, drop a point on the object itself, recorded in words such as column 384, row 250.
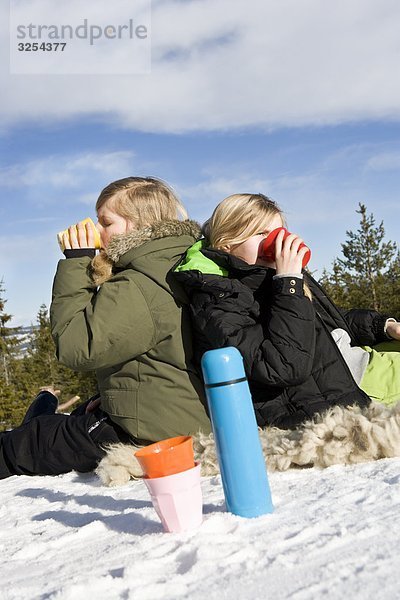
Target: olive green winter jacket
column 134, row 331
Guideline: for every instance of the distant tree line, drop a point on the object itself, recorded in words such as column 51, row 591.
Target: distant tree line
column 368, row 276
column 23, row 374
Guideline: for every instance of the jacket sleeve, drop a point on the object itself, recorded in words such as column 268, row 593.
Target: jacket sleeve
column 93, row 328
column 366, row 326
column 279, row 353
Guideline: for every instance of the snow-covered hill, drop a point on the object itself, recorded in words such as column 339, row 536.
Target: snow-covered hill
column 23, row 337
column 334, row 534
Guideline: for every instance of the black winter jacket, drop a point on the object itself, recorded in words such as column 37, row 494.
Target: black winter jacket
column 292, row 363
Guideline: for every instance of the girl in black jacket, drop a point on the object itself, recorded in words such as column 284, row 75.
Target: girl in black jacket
column 301, row 353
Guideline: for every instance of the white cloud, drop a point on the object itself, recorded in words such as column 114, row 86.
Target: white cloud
column 219, row 64
column 223, row 185
column 202, row 197
column 88, row 199
column 60, row 171
column 291, row 191
column 386, row 161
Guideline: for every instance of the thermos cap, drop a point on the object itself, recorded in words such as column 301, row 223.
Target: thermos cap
column 224, row 365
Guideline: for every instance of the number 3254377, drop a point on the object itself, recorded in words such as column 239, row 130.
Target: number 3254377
column 43, row 47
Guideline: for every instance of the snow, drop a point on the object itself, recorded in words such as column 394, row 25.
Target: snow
column 334, row 533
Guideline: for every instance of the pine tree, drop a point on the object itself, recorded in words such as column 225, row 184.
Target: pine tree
column 10, row 404
column 41, row 351
column 43, row 369
column 9, row 341
column 364, row 278
column 7, row 406
column 37, row 368
column 392, row 288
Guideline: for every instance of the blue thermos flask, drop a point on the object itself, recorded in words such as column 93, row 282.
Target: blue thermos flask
column 240, row 457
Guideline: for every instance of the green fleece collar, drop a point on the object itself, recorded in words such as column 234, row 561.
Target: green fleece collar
column 196, row 261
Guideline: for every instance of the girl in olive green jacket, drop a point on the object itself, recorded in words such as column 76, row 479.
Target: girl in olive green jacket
column 121, row 315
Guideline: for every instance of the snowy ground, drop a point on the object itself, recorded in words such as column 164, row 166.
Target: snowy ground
column 334, row 534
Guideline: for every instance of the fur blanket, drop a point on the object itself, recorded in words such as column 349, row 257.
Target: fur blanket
column 339, row 436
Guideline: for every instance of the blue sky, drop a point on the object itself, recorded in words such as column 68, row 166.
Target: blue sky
column 304, row 109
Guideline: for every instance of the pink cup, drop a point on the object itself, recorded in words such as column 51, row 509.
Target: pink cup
column 267, row 246
column 177, row 499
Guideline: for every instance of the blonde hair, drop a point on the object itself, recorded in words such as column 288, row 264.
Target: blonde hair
column 142, row 200
column 237, row 218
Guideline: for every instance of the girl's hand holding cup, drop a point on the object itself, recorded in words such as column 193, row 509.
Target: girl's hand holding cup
column 286, row 250
column 82, row 235
column 289, row 253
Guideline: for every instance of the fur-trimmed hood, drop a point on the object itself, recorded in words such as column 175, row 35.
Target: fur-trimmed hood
column 119, row 253
column 120, row 244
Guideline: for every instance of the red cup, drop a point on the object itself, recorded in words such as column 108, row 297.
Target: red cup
column 167, row 457
column 267, row 246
